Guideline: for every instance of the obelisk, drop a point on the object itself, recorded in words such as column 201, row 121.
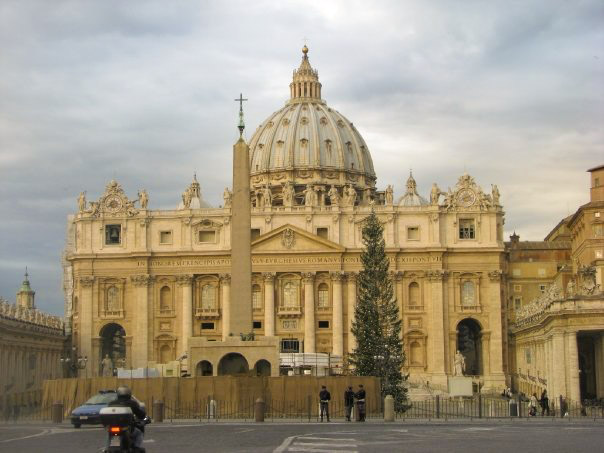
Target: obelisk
column 238, row 320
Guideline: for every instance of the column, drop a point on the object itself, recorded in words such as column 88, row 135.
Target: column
column 186, row 283
column 269, row 304
column 574, row 388
column 398, row 292
column 337, row 328
column 140, row 336
column 438, row 326
column 225, row 285
column 495, row 308
column 309, row 311
column 558, row 365
column 85, row 335
column 352, row 303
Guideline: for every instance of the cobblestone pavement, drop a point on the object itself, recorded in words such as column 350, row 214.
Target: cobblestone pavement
column 372, row 437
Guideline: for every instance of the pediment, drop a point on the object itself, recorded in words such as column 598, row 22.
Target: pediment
column 291, row 238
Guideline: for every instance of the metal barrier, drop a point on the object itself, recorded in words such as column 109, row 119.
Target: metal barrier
column 211, row 410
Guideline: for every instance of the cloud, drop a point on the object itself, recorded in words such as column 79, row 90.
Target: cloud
column 143, row 92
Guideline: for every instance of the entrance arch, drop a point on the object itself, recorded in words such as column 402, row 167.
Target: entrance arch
column 262, row 368
column 233, row 364
column 469, row 344
column 113, row 343
column 204, row 368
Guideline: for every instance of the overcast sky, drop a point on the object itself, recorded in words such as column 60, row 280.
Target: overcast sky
column 143, row 92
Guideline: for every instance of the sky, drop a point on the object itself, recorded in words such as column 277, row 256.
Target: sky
column 143, row 91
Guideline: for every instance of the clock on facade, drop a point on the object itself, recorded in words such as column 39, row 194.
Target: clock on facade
column 466, row 197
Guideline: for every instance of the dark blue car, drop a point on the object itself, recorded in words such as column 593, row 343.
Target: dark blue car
column 88, row 413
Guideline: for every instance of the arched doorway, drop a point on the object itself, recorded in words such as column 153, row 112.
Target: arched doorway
column 470, row 346
column 204, row 368
column 262, row 368
column 113, row 344
column 233, row 364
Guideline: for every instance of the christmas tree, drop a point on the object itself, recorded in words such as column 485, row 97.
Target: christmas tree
column 376, row 325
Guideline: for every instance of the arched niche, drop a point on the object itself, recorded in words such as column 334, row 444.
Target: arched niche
column 262, row 368
column 113, row 343
column 233, row 364
column 469, row 344
column 204, row 368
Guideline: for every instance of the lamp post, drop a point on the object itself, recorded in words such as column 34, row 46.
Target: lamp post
column 74, row 362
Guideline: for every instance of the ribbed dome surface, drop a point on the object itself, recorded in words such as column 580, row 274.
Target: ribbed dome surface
column 307, row 137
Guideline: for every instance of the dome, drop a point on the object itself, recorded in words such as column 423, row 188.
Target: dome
column 191, row 197
column 307, row 142
column 411, row 197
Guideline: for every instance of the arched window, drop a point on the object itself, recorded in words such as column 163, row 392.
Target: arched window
column 256, row 297
column 323, row 301
column 165, row 299
column 113, row 299
column 290, row 294
column 468, row 294
column 208, row 297
column 415, row 350
column 414, row 296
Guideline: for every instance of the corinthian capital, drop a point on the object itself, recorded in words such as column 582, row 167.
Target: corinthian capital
column 142, row 280
column 308, row 277
column 184, row 279
column 86, row 282
column 225, row 279
column 495, row 275
column 269, row 276
column 337, row 276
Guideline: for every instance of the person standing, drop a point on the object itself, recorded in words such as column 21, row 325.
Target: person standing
column 533, row 405
column 324, row 397
column 360, row 396
column 544, row 403
column 348, row 401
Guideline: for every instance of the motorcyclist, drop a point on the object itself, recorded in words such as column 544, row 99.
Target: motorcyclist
column 124, row 399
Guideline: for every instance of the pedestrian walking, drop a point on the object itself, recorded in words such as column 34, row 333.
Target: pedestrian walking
column 324, row 397
column 360, row 396
column 348, row 402
column 544, row 403
column 533, row 405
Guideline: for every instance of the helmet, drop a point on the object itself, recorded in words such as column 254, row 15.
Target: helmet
column 124, row 392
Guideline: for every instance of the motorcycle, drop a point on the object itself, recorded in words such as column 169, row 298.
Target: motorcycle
column 119, row 423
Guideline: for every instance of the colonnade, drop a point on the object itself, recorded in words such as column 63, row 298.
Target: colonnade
column 25, row 367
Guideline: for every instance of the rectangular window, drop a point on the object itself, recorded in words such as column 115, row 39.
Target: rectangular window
column 516, row 272
column 323, row 324
column 527, row 355
column 207, row 236
column 598, row 230
column 517, row 288
column 255, row 233
column 113, row 234
column 466, row 229
column 322, row 232
column 517, row 303
column 413, row 233
column 542, row 288
column 597, row 215
column 541, row 272
column 257, row 324
column 207, row 326
column 165, row 237
column 290, row 345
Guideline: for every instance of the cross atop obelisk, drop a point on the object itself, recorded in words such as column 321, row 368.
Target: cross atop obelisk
column 241, row 125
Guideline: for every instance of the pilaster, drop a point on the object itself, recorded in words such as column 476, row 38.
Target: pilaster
column 338, row 321
column 309, row 312
column 141, row 320
column 269, row 303
column 185, row 281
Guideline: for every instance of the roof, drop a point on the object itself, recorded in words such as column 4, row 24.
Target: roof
column 538, row 245
column 599, row 167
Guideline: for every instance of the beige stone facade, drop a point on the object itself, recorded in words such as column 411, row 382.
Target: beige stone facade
column 557, row 331
column 147, row 285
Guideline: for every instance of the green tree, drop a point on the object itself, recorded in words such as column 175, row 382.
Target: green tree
column 377, row 325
